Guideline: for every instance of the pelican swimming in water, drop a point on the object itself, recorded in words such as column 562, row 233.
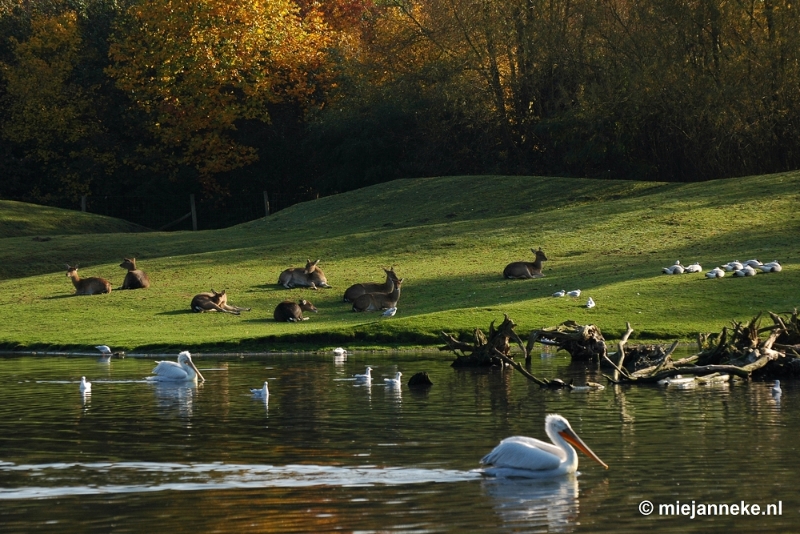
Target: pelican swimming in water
column 366, row 377
column 394, row 382
column 183, row 370
column 86, row 387
column 520, row 456
column 261, row 393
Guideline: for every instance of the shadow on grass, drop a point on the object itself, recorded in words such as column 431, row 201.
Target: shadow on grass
column 176, row 312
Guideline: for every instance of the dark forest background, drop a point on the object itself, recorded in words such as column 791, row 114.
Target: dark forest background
column 135, row 104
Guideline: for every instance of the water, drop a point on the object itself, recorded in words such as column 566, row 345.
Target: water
column 327, row 454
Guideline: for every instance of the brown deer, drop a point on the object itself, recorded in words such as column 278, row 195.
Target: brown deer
column 378, row 301
column 87, row 286
column 308, row 276
column 288, row 311
column 355, row 291
column 524, row 269
column 214, row 302
column 135, row 279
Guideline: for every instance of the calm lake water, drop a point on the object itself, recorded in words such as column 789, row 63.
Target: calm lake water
column 327, row 454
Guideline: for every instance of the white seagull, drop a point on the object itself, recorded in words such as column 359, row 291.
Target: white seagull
column 339, row 351
column 105, row 353
column 183, row 370
column 394, row 382
column 590, row 303
column 693, row 268
column 86, row 387
column 558, row 294
column 390, row 312
column 776, row 388
column 521, row 456
column 367, row 376
column 574, row 293
column 261, row 393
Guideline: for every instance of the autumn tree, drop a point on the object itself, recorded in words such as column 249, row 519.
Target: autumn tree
column 196, row 67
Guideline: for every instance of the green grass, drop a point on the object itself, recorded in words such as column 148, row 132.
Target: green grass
column 450, row 239
column 19, row 219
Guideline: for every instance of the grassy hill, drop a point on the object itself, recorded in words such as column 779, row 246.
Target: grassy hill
column 450, row 239
column 23, row 219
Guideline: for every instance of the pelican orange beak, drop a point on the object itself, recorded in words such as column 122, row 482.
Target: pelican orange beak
column 196, row 370
column 572, row 438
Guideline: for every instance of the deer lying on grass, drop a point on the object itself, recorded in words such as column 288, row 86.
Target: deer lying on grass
column 356, row 290
column 213, row 302
column 288, row 311
column 378, row 301
column 524, row 269
column 135, row 279
column 308, row 276
column 87, row 286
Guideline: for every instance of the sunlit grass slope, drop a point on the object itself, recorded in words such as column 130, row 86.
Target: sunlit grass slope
column 450, row 239
column 23, row 219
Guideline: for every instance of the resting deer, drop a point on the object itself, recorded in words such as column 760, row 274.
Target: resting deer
column 135, row 279
column 355, row 291
column 378, row 301
column 288, row 311
column 213, row 302
column 308, row 276
column 87, row 286
column 524, row 269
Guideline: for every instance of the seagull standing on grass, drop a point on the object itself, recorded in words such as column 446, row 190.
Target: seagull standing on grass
column 590, row 303
column 574, row 293
column 390, row 312
column 558, row 294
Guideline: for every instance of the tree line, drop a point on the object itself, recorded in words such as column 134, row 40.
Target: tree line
column 136, row 98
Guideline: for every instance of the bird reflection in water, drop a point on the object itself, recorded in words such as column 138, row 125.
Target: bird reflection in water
column 535, row 504
column 180, row 395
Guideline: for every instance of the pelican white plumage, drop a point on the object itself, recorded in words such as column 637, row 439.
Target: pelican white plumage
column 520, row 456
column 574, row 293
column 559, row 294
column 183, row 370
column 394, row 382
column 590, row 303
column 261, row 393
column 390, row 312
column 366, row 377
column 86, row 387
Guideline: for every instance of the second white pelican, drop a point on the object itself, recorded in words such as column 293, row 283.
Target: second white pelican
column 520, row 456
column 183, row 370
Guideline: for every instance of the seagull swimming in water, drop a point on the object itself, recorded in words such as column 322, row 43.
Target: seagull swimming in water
column 776, row 388
column 339, row 351
column 366, row 377
column 86, row 387
column 261, row 393
column 394, row 382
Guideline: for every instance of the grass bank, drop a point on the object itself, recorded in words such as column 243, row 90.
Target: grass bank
column 449, row 238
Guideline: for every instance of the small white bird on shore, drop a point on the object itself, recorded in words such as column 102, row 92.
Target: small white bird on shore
column 390, row 312
column 693, row 268
column 394, row 382
column 558, row 294
column 753, row 263
column 716, row 272
column 734, row 265
column 261, row 393
column 590, row 303
column 86, row 387
column 574, row 293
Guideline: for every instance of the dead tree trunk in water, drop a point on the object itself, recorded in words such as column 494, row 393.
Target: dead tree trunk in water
column 484, row 350
column 583, row 342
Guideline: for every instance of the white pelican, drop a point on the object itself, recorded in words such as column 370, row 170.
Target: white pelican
column 261, row 393
column 520, row 456
column 183, row 370
column 394, row 382
column 590, row 303
column 390, row 312
column 367, row 376
column 574, row 293
column 558, row 294
column 86, row 387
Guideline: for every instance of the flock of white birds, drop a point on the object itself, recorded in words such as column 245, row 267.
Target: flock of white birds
column 736, row 268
